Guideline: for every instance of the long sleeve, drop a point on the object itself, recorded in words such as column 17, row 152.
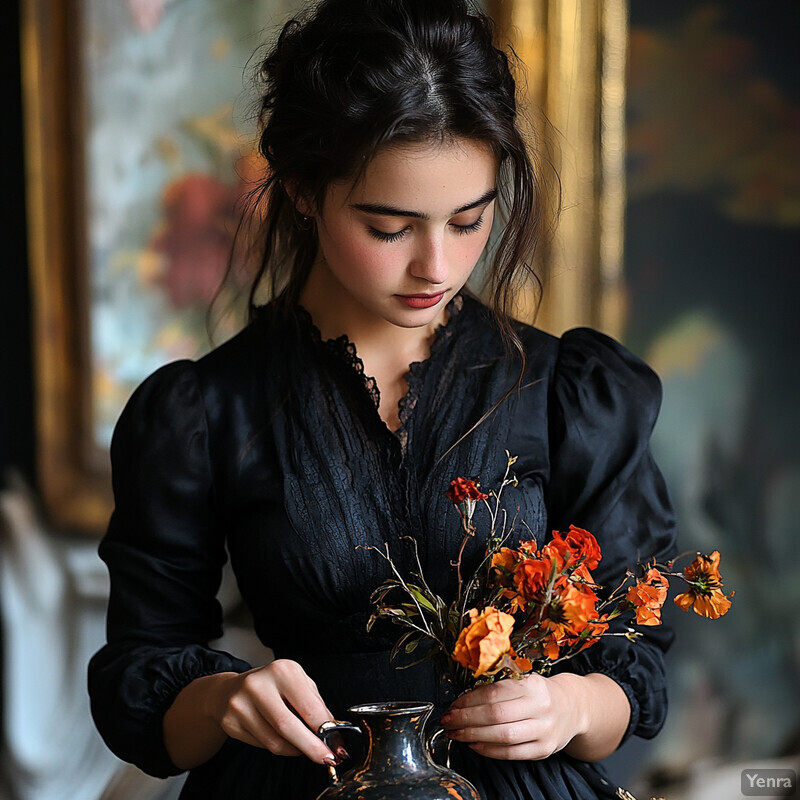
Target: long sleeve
column 165, row 554
column 604, row 403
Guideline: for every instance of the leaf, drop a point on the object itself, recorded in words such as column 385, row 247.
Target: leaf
column 399, row 643
column 427, row 657
column 386, row 587
column 420, row 597
column 412, row 646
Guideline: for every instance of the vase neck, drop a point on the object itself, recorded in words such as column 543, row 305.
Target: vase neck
column 396, row 743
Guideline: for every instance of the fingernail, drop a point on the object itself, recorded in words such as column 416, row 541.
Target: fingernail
column 448, row 717
column 330, row 760
column 342, row 753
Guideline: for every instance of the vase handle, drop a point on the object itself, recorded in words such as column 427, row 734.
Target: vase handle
column 433, row 737
column 330, row 729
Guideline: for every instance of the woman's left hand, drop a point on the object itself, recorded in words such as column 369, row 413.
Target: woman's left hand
column 519, row 719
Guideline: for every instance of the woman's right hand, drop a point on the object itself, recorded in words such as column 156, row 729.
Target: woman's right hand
column 277, row 707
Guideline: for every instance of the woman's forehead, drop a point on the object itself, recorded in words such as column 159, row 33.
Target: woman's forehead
column 430, row 178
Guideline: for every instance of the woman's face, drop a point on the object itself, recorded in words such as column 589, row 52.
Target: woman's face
column 399, row 243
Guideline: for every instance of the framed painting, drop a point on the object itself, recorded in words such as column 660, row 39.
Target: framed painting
column 139, row 143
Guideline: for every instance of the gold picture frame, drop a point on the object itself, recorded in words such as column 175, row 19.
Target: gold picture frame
column 73, row 478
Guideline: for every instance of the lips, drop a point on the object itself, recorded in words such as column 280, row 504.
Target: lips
column 421, row 300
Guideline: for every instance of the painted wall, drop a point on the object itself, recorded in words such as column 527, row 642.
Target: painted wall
column 713, row 246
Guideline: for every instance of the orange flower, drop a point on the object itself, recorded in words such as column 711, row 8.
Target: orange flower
column 705, row 593
column 522, row 663
column 552, row 637
column 485, row 640
column 571, row 613
column 462, row 489
column 576, row 545
column 578, row 607
column 505, row 560
column 592, row 632
column 529, row 548
column 549, row 645
column 516, row 602
column 647, row 597
column 532, row 576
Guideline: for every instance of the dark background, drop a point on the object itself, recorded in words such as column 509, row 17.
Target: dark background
column 16, row 384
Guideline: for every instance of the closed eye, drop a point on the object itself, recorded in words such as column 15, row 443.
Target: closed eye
column 384, row 236
column 463, row 230
column 394, row 236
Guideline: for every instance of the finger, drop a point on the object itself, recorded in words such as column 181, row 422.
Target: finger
column 295, row 731
column 251, row 728
column 492, row 713
column 530, row 751
column 506, row 689
column 474, row 697
column 300, row 691
column 514, row 733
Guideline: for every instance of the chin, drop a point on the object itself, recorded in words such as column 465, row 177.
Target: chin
column 417, row 318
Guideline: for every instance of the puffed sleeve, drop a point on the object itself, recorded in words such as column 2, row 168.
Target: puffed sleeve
column 164, row 554
column 603, row 406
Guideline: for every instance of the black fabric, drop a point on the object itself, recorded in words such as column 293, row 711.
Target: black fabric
column 272, row 446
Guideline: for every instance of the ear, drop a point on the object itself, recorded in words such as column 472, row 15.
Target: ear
column 304, row 205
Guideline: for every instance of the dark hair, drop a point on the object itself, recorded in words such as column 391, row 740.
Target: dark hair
column 347, row 78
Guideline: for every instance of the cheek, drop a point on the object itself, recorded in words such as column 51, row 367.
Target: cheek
column 469, row 251
column 359, row 257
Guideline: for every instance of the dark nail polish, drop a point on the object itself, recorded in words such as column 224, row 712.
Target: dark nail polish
column 342, row 753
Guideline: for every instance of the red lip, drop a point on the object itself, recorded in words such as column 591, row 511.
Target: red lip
column 421, row 300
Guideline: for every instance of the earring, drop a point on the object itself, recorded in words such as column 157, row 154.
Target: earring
column 303, row 222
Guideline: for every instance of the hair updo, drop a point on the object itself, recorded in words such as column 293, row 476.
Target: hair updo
column 346, row 79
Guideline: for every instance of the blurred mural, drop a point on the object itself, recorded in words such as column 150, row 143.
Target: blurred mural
column 170, row 157
column 712, row 246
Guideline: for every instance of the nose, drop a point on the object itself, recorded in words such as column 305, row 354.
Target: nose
column 429, row 261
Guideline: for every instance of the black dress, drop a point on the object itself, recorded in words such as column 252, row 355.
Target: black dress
column 272, row 447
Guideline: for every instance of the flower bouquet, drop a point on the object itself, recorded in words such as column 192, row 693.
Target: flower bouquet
column 527, row 608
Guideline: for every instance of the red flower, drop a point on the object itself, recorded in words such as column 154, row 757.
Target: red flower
column 462, row 489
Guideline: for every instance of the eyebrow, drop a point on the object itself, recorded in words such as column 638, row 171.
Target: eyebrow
column 392, row 211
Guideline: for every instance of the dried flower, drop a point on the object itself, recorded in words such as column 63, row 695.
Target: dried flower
column 647, row 597
column 462, row 489
column 532, row 577
column 705, row 593
column 484, row 641
column 526, row 608
column 575, row 546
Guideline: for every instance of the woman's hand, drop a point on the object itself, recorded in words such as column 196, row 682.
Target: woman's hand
column 534, row 717
column 276, row 707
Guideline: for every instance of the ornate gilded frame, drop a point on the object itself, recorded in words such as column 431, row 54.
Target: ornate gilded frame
column 73, row 475
column 575, row 54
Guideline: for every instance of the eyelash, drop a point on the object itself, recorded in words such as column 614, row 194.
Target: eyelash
column 463, row 230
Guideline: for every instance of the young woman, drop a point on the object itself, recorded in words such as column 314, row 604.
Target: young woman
column 338, row 417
